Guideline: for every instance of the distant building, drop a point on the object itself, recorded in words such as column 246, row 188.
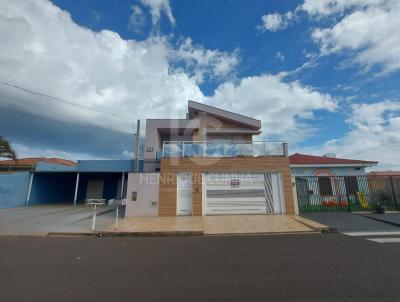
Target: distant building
column 34, row 181
column 384, row 173
column 329, row 165
column 30, row 163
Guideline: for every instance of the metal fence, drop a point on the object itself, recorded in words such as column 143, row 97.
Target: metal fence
column 347, row 193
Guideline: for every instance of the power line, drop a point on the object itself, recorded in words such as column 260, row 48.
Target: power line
column 63, row 100
column 22, row 113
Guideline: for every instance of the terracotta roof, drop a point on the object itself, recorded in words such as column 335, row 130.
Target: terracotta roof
column 384, row 173
column 32, row 161
column 303, row 159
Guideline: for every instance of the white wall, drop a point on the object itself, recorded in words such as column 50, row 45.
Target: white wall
column 333, row 171
column 147, row 201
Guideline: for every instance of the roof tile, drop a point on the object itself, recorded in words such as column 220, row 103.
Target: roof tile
column 303, row 159
column 32, row 161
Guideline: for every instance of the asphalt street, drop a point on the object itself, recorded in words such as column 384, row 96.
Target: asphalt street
column 312, row 267
column 355, row 222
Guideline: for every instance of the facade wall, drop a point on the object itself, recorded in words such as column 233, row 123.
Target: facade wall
column 234, row 137
column 196, row 136
column 13, row 189
column 152, row 143
column 210, row 122
column 170, row 166
column 146, row 186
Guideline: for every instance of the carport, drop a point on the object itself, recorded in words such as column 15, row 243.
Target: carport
column 100, row 179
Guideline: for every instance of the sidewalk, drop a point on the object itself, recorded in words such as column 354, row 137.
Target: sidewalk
column 44, row 219
column 67, row 220
column 215, row 225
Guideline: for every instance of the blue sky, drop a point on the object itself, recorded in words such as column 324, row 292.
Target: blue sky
column 323, row 75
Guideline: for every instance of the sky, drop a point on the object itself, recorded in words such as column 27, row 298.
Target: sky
column 323, row 75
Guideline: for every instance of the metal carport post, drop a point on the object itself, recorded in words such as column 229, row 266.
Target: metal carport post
column 76, row 188
column 122, row 185
column 28, row 196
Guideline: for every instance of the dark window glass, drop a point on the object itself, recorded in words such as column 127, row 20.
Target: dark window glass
column 351, row 185
column 325, row 186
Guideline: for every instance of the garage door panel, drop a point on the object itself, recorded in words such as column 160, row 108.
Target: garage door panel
column 213, row 179
column 236, row 201
column 241, row 210
column 231, row 193
column 236, row 193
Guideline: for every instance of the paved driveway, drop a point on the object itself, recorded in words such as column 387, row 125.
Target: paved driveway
column 216, row 225
column 252, row 224
column 354, row 222
column 40, row 220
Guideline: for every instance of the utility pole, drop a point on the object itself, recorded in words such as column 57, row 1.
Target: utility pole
column 137, row 146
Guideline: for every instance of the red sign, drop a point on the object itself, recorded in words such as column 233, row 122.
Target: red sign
column 235, row 182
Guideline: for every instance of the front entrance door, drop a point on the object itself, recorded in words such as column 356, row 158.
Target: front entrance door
column 184, row 193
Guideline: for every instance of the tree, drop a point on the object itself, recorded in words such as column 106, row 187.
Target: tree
column 6, row 149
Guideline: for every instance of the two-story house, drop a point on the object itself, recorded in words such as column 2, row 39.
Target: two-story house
column 210, row 163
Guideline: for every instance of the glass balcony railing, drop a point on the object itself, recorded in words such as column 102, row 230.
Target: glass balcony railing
column 222, row 149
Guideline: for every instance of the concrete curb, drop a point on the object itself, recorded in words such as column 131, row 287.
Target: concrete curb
column 160, row 234
column 315, row 226
column 169, row 234
column 126, row 234
column 381, row 220
column 264, row 234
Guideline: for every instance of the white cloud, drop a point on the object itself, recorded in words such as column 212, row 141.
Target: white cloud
column 280, row 56
column 96, row 16
column 283, row 107
column 137, row 19
column 276, row 21
column 371, row 32
column 44, row 50
column 24, row 150
column 128, row 154
column 200, row 62
column 157, row 7
column 367, row 28
column 374, row 135
column 322, row 8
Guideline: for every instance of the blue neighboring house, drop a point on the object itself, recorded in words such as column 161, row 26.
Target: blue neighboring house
column 36, row 181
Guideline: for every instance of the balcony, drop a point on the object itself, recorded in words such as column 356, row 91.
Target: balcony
column 222, row 149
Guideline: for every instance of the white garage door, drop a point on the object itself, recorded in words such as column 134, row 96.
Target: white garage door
column 244, row 193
